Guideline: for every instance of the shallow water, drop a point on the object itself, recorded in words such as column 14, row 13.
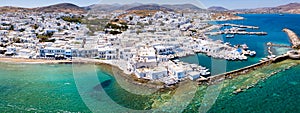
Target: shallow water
column 52, row 88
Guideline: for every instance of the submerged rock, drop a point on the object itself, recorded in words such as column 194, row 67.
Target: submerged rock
column 102, row 85
column 238, row 91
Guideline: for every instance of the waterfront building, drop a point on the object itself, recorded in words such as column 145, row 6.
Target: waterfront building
column 145, row 58
column 127, row 53
column 107, row 53
column 10, row 51
column 52, row 52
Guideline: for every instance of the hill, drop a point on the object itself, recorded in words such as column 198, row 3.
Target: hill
column 63, row 7
column 182, row 7
column 217, row 8
column 290, row 8
column 293, row 8
column 150, row 7
column 140, row 6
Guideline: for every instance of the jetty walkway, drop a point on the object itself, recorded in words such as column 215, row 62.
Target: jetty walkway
column 293, row 38
column 237, row 32
column 217, row 78
column 240, row 26
column 278, row 45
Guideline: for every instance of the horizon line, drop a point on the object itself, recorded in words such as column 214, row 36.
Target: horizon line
column 137, row 3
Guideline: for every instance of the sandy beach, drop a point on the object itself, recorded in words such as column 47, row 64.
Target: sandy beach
column 108, row 66
column 33, row 61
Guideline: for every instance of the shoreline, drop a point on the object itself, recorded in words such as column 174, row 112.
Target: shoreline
column 32, row 61
column 130, row 80
column 107, row 66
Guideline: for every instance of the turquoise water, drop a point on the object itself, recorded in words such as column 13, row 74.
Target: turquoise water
column 45, row 88
column 270, row 23
column 278, row 94
column 51, row 88
column 54, row 88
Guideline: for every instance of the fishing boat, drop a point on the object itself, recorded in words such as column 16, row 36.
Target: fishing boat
column 229, row 36
column 241, row 29
column 252, row 53
column 244, row 46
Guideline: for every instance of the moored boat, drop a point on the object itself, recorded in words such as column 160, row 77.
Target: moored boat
column 252, row 53
column 229, row 36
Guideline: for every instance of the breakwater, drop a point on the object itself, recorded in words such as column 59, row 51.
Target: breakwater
column 237, row 32
column 240, row 26
column 217, row 78
column 278, row 45
column 293, row 38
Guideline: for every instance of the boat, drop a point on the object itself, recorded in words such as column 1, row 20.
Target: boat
column 281, row 15
column 229, row 36
column 244, row 46
column 264, row 59
column 252, row 53
column 271, row 56
column 241, row 29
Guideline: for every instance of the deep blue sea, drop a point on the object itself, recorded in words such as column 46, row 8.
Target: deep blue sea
column 65, row 88
column 270, row 23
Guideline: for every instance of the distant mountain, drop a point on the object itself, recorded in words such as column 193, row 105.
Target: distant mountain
column 217, row 8
column 128, row 6
column 182, row 7
column 150, row 7
column 288, row 8
column 102, row 7
column 12, row 9
column 111, row 7
column 63, row 7
column 139, row 6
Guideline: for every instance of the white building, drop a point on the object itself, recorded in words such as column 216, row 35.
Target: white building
column 145, row 58
column 127, row 53
column 52, row 52
column 10, row 51
column 107, row 53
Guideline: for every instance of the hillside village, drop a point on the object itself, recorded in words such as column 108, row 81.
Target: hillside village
column 146, row 46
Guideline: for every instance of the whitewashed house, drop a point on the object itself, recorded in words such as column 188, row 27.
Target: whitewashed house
column 25, row 53
column 107, row 53
column 176, row 71
column 127, row 53
column 145, row 58
column 158, row 73
column 193, row 75
column 11, row 50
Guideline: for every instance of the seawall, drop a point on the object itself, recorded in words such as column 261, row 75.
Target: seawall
column 217, row 78
column 293, row 38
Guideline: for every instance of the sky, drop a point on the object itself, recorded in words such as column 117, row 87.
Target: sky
column 230, row 4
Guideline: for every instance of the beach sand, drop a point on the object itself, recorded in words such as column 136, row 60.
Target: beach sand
column 107, row 66
column 33, row 61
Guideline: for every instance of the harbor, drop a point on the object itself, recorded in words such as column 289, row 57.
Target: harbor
column 146, row 56
column 292, row 54
column 235, row 29
column 217, row 78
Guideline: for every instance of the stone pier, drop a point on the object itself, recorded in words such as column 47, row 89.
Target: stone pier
column 293, row 38
column 217, row 78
